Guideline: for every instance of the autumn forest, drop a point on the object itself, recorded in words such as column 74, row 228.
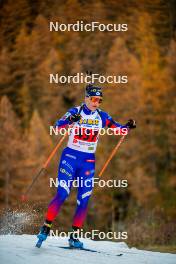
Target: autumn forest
column 29, row 104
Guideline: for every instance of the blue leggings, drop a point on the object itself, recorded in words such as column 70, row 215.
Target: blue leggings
column 73, row 165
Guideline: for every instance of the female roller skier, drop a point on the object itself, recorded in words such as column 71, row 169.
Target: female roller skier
column 78, row 160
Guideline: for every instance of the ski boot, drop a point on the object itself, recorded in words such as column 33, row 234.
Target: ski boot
column 44, row 232
column 73, row 240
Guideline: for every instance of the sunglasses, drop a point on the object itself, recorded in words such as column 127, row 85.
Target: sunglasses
column 96, row 100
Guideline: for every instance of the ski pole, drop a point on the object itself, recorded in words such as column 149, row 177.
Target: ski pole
column 111, row 155
column 24, row 196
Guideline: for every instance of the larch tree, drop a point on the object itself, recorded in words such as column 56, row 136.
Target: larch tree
column 13, row 155
column 40, row 146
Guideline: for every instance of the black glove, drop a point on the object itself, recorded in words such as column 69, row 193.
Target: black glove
column 131, row 124
column 74, row 118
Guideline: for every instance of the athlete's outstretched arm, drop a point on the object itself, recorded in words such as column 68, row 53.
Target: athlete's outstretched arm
column 109, row 122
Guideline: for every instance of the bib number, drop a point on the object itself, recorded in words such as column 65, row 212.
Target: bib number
column 86, row 134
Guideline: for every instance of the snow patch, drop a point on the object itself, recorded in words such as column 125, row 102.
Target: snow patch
column 20, row 249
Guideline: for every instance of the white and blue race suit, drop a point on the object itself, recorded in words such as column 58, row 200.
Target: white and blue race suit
column 78, row 159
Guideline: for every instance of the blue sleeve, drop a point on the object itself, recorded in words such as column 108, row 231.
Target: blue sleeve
column 64, row 120
column 107, row 121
